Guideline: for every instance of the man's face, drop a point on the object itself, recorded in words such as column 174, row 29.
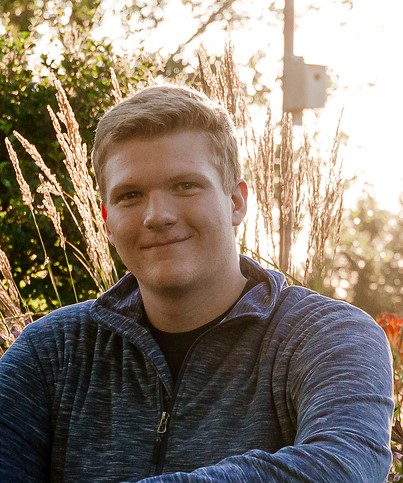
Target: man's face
column 167, row 213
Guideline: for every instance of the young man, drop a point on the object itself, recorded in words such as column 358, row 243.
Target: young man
column 199, row 365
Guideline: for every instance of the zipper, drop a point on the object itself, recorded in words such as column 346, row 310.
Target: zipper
column 160, row 443
column 161, row 432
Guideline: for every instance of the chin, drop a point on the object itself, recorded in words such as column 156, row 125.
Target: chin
column 173, row 282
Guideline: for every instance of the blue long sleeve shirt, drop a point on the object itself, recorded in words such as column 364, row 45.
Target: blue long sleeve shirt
column 289, row 386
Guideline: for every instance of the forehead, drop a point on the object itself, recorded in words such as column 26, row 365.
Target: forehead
column 181, row 138
column 166, row 155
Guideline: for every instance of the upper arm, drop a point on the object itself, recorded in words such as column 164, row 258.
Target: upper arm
column 24, row 415
column 342, row 390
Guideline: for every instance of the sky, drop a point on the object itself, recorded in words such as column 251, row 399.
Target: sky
column 361, row 49
column 364, row 55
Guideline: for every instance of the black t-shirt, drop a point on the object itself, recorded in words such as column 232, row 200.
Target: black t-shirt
column 175, row 345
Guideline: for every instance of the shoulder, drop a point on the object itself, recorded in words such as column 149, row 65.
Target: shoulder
column 299, row 317
column 300, row 303
column 52, row 334
column 313, row 327
column 64, row 319
column 296, row 309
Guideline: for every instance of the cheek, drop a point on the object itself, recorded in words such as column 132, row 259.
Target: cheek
column 215, row 224
column 123, row 225
column 219, row 213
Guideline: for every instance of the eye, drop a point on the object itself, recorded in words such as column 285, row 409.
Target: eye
column 130, row 196
column 187, row 186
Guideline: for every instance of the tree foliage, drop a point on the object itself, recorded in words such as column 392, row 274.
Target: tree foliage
column 24, row 15
column 369, row 265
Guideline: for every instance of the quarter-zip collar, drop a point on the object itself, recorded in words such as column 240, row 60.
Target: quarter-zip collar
column 121, row 310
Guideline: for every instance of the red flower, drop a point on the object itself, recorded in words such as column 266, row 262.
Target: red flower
column 393, row 327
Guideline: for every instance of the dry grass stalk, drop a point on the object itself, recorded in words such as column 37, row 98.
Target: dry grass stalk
column 207, row 78
column 12, row 321
column 286, row 169
column 116, row 92
column 12, row 318
column 131, row 89
column 26, row 194
column 232, row 91
column 29, row 201
column 224, row 86
column 325, row 207
column 8, row 307
column 100, row 266
column 46, row 189
column 54, row 186
column 286, row 202
column 300, row 177
column 262, row 176
column 76, row 159
column 228, row 83
column 5, row 271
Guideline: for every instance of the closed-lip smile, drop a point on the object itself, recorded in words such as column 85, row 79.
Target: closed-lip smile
column 161, row 243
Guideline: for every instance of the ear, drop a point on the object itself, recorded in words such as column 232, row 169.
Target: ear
column 105, row 217
column 239, row 199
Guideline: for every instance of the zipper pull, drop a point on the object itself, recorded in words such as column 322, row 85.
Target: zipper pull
column 161, row 430
column 162, row 427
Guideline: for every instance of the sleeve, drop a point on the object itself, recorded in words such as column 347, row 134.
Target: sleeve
column 340, row 387
column 24, row 416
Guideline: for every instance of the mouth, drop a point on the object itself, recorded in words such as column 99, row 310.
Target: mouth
column 164, row 243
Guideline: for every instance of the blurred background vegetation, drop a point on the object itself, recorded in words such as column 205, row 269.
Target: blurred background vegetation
column 367, row 267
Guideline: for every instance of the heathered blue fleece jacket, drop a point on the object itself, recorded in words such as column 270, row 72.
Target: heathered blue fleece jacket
column 290, row 386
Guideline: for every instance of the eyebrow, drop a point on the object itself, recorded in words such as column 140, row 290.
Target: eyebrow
column 191, row 174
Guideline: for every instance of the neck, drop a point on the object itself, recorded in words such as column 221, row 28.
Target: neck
column 185, row 310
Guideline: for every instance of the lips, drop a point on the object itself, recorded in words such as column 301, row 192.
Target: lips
column 163, row 243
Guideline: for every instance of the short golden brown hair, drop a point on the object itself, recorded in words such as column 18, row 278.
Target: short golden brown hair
column 158, row 110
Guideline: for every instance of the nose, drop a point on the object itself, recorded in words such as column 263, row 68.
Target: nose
column 160, row 212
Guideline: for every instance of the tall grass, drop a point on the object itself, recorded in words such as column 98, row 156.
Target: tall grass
column 293, row 192
column 97, row 260
column 13, row 317
column 289, row 190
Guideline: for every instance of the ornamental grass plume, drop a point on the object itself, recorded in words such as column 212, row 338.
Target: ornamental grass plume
column 26, row 194
column 300, row 170
column 116, row 91
column 56, row 188
column 12, row 291
column 28, row 200
column 101, row 265
column 291, row 191
column 224, row 86
column 286, row 192
column 98, row 260
column 263, row 180
column 12, row 318
column 46, row 189
column 325, row 208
